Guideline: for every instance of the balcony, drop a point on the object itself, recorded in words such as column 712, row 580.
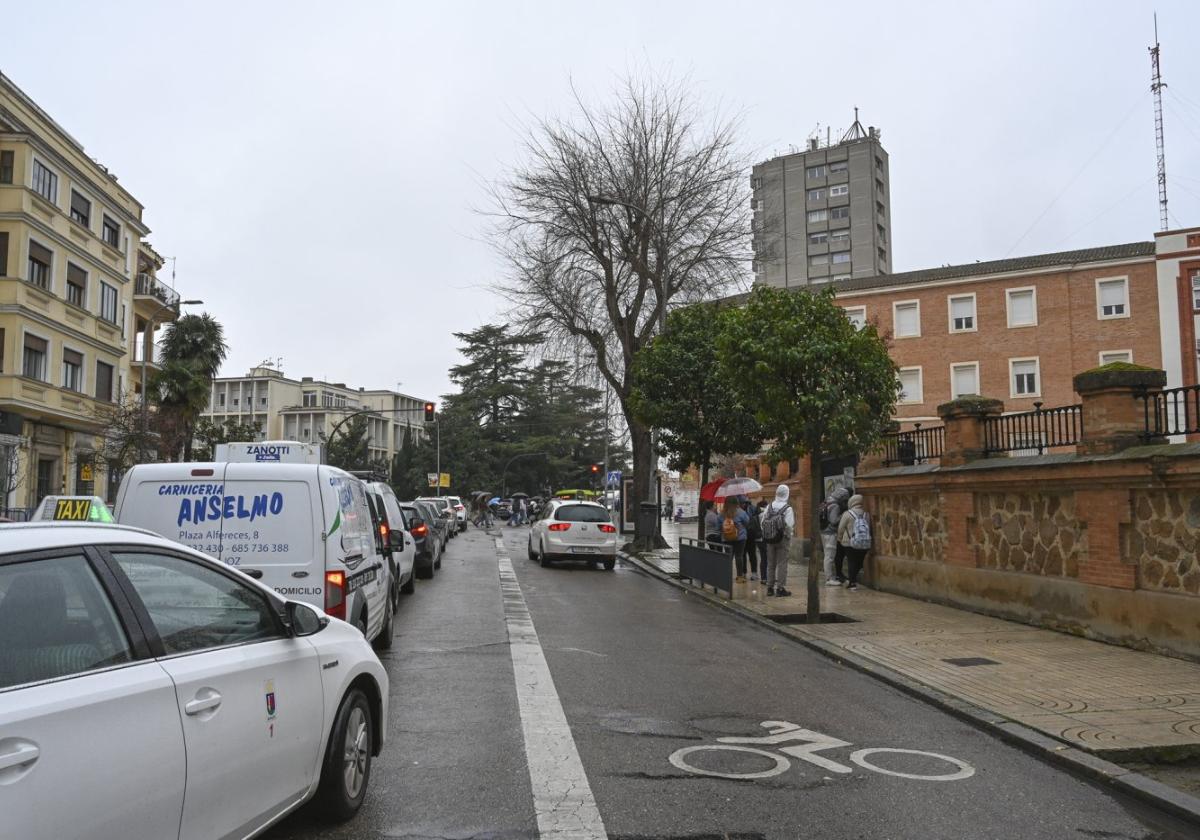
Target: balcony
column 155, row 359
column 153, row 298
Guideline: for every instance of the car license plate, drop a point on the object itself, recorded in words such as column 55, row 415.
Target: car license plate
column 584, row 549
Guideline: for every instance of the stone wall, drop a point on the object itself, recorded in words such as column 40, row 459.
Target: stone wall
column 1163, row 539
column 1031, row 532
column 910, row 526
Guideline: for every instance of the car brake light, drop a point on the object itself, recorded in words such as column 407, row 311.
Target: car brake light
column 335, row 594
column 420, row 530
column 560, row 526
column 608, row 529
column 383, row 532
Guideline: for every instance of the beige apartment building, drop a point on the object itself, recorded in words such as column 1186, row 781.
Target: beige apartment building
column 308, row 409
column 77, row 286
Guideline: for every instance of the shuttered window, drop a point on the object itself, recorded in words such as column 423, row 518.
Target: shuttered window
column 33, row 364
column 40, row 259
column 76, row 285
column 72, row 370
column 81, row 209
column 3, row 253
column 104, row 382
column 108, row 303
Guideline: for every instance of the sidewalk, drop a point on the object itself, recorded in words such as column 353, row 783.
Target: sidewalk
column 1113, row 702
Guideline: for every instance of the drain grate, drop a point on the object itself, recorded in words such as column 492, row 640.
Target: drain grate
column 968, row 661
column 802, row 618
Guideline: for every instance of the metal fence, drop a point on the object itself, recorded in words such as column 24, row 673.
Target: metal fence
column 1175, row 411
column 1033, row 432
column 915, row 446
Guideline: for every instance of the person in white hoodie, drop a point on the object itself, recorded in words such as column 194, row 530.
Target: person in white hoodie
column 778, row 518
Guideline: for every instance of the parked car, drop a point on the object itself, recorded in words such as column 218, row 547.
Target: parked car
column 427, row 540
column 445, row 510
column 398, row 545
column 304, row 528
column 573, row 530
column 171, row 695
column 460, row 511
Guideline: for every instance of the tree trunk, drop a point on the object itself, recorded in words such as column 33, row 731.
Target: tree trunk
column 643, row 472
column 816, row 552
column 700, row 504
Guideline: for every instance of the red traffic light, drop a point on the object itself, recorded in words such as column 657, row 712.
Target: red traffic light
column 429, row 409
column 595, row 469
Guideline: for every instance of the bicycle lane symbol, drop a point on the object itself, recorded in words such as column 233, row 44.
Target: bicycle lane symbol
column 804, row 744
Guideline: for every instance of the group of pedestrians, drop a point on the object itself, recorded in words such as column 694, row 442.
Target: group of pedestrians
column 760, row 537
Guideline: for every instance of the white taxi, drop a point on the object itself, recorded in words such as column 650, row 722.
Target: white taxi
column 147, row 691
column 573, row 530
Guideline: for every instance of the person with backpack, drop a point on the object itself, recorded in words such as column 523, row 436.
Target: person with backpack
column 854, row 536
column 830, row 517
column 712, row 524
column 761, row 544
column 733, row 533
column 753, row 537
column 778, row 525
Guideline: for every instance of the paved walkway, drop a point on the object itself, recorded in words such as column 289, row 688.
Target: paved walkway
column 1103, row 698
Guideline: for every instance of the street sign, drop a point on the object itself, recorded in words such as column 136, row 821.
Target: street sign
column 445, row 480
column 85, row 472
column 614, row 478
column 432, row 478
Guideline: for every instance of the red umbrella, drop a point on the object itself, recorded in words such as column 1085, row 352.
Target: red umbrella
column 708, row 492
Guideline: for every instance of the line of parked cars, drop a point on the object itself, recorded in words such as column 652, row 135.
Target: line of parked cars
column 212, row 650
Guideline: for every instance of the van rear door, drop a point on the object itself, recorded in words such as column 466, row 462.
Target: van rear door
column 182, row 502
column 272, row 528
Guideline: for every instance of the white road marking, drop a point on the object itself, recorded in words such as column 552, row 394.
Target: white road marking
column 562, row 797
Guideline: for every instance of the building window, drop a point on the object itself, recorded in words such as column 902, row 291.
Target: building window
column 816, row 172
column 262, row 400
column 40, row 260
column 842, row 257
column 910, row 385
column 906, row 319
column 1108, row 357
column 878, row 164
column 1195, row 282
column 839, row 190
column 962, row 313
column 964, row 379
column 840, row 237
column 756, row 182
column 882, row 233
column 856, row 315
column 837, row 277
column 309, row 399
column 839, row 213
column 108, row 303
column 879, row 208
column 1112, row 298
column 1024, row 378
column 838, row 166
column 821, row 237
column 104, row 382
column 76, row 285
column 1022, row 307
column 816, row 195
column 882, row 256
column 817, row 216
column 72, row 377
column 235, row 400
column 878, row 185
column 110, row 232
column 6, row 166
column 818, row 259
column 33, row 364
column 758, row 205
column 3, row 253
column 221, row 399
column 81, row 209
column 45, row 182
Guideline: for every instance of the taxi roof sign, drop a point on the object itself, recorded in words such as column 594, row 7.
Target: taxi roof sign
column 72, row 509
column 269, row 452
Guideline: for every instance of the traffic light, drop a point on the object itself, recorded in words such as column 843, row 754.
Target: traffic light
column 429, row 407
column 596, row 469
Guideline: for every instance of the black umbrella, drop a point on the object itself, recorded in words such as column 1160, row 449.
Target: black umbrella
column 519, row 496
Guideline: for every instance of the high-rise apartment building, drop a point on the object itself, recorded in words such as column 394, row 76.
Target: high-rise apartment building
column 77, row 286
column 824, row 213
column 308, row 409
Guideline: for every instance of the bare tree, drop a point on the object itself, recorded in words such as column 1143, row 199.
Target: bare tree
column 617, row 215
column 11, row 474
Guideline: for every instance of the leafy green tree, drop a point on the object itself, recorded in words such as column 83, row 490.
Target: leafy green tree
column 679, row 390
column 493, row 373
column 349, row 447
column 208, row 434
column 818, row 385
column 193, row 348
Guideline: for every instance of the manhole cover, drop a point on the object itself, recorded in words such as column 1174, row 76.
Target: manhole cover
column 802, row 618
column 968, row 661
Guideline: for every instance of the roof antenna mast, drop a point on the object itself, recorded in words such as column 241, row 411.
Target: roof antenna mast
column 1156, row 86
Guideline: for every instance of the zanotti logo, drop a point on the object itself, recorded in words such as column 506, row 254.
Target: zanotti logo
column 267, row 452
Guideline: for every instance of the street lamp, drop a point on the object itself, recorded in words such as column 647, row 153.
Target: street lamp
column 147, row 349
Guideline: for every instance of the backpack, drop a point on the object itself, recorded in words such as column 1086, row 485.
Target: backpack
column 729, row 530
column 774, row 524
column 824, row 517
column 860, row 532
column 754, row 528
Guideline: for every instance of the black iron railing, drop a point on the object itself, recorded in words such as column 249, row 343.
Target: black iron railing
column 915, row 446
column 1033, row 432
column 1175, row 411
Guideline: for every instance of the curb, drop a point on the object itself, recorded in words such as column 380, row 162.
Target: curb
column 1167, row 799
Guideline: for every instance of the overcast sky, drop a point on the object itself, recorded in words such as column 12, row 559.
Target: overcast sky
column 315, row 166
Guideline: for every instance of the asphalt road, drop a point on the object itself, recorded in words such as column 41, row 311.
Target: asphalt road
column 640, row 671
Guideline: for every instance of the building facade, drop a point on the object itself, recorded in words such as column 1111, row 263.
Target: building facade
column 308, row 409
column 823, row 214
column 77, row 286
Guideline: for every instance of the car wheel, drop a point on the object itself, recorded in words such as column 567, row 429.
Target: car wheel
column 424, row 572
column 361, row 622
column 437, row 564
column 610, row 564
column 542, row 558
column 347, row 767
column 384, row 640
column 532, row 555
column 409, row 586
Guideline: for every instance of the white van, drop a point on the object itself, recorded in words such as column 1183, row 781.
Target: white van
column 304, row 529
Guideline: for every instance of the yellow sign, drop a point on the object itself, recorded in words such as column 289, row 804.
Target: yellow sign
column 85, row 472
column 73, row 510
column 445, row 480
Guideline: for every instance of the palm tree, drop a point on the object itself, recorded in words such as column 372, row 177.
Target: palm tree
column 193, row 349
